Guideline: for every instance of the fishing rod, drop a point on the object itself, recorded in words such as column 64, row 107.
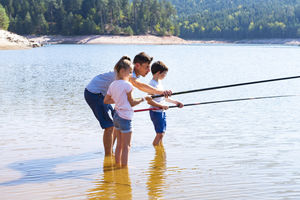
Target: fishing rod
column 227, row 86
column 220, row 101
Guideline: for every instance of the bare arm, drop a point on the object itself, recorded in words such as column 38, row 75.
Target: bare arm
column 177, row 103
column 169, row 100
column 148, row 88
column 132, row 101
column 144, row 87
column 155, row 104
column 108, row 100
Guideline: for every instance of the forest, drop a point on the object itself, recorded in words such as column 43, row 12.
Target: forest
column 238, row 19
column 189, row 19
column 81, row 17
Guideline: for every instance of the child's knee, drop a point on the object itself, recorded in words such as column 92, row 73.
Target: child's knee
column 126, row 146
column 160, row 135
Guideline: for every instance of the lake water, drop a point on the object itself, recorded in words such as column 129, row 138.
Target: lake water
column 51, row 144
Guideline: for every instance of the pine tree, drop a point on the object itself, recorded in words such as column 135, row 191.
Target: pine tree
column 4, row 20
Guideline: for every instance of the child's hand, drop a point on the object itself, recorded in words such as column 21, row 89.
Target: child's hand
column 148, row 98
column 165, row 107
column 179, row 104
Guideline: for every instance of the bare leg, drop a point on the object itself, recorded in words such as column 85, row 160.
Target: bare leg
column 158, row 139
column 118, row 151
column 114, row 137
column 126, row 139
column 108, row 140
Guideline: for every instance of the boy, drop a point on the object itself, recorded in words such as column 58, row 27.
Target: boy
column 159, row 71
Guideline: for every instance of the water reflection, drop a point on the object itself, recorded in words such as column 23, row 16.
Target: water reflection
column 43, row 170
column 156, row 181
column 114, row 184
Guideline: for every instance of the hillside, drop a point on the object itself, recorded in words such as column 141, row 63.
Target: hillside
column 189, row 19
column 238, row 19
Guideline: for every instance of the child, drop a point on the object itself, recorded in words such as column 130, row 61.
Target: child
column 120, row 93
column 159, row 71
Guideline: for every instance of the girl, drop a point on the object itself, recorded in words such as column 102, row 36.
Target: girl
column 120, row 93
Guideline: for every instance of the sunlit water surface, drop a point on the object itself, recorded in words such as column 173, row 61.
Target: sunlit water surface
column 51, row 144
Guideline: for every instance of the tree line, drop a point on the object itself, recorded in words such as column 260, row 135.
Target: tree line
column 4, row 20
column 194, row 19
column 80, row 17
column 238, row 19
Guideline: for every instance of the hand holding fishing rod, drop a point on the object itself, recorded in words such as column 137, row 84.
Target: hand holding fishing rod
column 166, row 93
column 231, row 85
column 157, row 105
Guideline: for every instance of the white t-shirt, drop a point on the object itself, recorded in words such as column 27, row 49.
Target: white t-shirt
column 118, row 90
column 161, row 100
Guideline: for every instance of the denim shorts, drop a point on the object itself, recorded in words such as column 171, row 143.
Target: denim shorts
column 103, row 112
column 159, row 121
column 124, row 125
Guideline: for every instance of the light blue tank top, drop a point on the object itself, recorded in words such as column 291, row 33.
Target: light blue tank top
column 100, row 83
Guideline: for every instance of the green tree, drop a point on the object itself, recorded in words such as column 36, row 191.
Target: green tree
column 128, row 30
column 73, row 6
column 4, row 20
column 90, row 27
column 27, row 24
column 42, row 25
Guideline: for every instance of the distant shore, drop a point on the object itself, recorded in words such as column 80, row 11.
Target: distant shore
column 108, row 39
column 149, row 39
column 10, row 40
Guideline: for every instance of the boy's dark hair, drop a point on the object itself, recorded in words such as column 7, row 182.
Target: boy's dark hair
column 142, row 58
column 158, row 67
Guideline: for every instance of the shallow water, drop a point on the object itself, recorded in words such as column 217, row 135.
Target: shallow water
column 51, row 143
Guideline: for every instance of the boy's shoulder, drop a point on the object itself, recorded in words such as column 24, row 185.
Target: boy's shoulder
column 153, row 82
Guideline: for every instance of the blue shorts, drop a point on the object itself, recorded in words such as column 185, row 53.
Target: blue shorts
column 159, row 121
column 100, row 110
column 124, row 125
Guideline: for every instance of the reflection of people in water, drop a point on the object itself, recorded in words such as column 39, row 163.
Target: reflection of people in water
column 114, row 184
column 155, row 183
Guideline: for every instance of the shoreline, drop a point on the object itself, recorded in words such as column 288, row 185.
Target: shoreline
column 108, row 39
column 11, row 41
column 151, row 40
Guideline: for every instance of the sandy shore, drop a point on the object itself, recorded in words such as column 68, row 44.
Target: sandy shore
column 148, row 39
column 10, row 41
column 104, row 39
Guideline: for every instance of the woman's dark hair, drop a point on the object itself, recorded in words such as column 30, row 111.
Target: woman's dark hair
column 158, row 66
